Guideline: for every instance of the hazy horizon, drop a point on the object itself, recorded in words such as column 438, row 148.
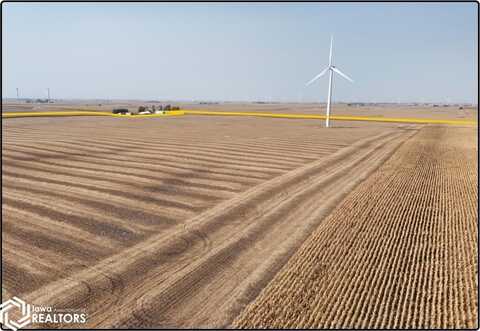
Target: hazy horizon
column 399, row 53
column 120, row 100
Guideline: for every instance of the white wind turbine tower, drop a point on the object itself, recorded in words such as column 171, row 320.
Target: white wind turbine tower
column 331, row 68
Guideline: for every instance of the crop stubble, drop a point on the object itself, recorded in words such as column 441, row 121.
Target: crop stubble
column 399, row 252
column 163, row 223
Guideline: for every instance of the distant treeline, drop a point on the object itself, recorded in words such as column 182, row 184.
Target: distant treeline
column 38, row 101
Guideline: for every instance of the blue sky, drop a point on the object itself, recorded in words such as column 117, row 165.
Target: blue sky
column 394, row 52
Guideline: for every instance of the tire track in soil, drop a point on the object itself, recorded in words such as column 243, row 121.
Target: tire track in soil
column 399, row 252
column 185, row 261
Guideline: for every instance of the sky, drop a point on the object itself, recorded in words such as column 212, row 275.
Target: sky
column 410, row 52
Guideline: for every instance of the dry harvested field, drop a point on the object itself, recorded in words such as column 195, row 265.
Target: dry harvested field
column 182, row 222
column 399, row 252
column 450, row 112
column 174, row 222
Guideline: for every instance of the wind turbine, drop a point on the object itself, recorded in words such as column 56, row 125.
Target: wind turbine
column 331, row 69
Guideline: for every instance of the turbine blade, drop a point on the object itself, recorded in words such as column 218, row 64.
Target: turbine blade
column 331, row 51
column 318, row 76
column 342, row 74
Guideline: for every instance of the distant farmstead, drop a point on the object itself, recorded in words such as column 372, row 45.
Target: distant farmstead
column 122, row 111
column 145, row 110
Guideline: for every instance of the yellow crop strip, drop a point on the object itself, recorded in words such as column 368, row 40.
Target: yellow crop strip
column 53, row 113
column 272, row 115
column 338, row 118
column 84, row 113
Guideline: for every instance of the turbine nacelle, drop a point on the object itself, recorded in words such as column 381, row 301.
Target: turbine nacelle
column 329, row 68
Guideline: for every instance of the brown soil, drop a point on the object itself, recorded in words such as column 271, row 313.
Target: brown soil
column 172, row 222
column 399, row 252
column 449, row 112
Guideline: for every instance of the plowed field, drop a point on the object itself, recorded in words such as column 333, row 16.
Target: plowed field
column 399, row 252
column 169, row 222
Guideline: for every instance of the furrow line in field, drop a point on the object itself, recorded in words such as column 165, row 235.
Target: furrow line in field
column 224, row 147
column 97, row 169
column 108, row 194
column 410, row 265
column 301, row 205
column 158, row 189
column 200, row 149
column 148, row 172
column 139, row 149
column 72, row 233
column 178, row 162
column 268, row 196
column 45, row 152
column 112, row 214
column 269, row 145
column 93, row 223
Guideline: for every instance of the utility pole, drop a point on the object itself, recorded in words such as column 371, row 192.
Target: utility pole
column 48, row 91
column 18, row 95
